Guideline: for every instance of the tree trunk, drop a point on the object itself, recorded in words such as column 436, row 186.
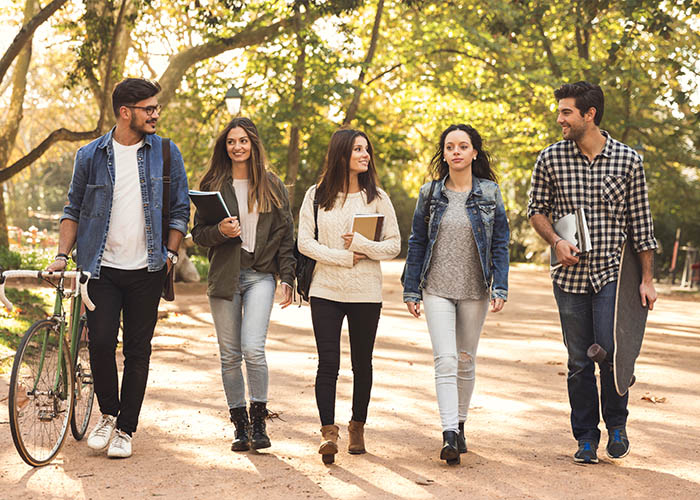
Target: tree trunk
column 355, row 103
column 293, row 153
column 15, row 111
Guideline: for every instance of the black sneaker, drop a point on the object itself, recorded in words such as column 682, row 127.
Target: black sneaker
column 618, row 444
column 586, row 453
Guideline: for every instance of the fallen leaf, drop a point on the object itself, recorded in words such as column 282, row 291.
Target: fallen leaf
column 554, row 363
column 653, row 399
column 561, row 373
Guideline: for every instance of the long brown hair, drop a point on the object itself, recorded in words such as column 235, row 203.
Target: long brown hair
column 335, row 177
column 481, row 166
column 219, row 170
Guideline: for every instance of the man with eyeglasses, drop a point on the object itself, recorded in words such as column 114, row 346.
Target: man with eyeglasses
column 114, row 213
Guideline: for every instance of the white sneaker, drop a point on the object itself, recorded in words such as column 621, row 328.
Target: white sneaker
column 120, row 446
column 102, row 433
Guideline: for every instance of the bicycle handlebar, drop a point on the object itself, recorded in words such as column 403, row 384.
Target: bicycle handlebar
column 82, row 278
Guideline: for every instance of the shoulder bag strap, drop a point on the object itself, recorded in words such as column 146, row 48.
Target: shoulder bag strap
column 166, row 190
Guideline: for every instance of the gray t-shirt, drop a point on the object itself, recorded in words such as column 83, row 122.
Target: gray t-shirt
column 455, row 267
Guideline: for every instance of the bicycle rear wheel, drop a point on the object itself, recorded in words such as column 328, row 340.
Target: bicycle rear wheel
column 84, row 387
column 41, row 393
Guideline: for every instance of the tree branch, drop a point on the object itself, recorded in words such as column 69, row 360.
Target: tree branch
column 60, row 134
column 25, row 34
column 252, row 35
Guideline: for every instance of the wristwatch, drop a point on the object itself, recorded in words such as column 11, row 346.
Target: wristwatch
column 172, row 256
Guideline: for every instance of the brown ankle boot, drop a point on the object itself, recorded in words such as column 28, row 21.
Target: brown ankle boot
column 356, row 435
column 329, row 443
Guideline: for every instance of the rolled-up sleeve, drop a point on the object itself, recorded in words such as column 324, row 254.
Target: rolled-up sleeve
column 77, row 189
column 179, row 199
column 639, row 211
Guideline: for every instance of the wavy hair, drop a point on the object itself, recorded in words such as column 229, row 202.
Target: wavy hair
column 219, row 168
column 481, row 165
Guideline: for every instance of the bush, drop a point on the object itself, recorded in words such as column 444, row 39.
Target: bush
column 9, row 259
column 37, row 259
column 202, row 265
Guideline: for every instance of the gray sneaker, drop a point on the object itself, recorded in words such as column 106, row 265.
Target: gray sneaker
column 101, row 435
column 120, row 446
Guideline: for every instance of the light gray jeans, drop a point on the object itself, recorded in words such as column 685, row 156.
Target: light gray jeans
column 241, row 328
column 455, row 328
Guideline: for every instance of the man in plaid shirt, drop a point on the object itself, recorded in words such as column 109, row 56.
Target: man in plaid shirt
column 590, row 169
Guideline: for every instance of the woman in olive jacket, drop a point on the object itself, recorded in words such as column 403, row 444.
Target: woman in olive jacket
column 246, row 252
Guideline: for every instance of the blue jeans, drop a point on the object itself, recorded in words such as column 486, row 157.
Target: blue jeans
column 241, row 328
column 587, row 319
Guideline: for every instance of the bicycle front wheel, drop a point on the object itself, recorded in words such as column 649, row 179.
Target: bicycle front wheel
column 84, row 387
column 41, row 393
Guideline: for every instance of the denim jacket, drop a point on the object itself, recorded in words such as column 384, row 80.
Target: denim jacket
column 487, row 215
column 91, row 192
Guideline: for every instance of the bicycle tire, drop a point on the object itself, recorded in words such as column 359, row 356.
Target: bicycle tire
column 39, row 415
column 84, row 386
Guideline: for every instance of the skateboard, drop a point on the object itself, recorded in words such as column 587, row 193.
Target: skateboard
column 629, row 324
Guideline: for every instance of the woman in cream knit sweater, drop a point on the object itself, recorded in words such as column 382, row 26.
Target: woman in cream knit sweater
column 347, row 280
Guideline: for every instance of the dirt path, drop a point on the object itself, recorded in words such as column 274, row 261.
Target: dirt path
column 518, row 430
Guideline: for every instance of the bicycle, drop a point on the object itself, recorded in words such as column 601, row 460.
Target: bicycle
column 51, row 382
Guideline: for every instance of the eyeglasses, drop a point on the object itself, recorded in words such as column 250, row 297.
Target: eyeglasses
column 148, row 109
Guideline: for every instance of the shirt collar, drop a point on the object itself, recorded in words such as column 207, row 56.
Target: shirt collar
column 607, row 148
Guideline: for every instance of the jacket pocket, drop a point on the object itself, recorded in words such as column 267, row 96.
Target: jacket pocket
column 94, row 201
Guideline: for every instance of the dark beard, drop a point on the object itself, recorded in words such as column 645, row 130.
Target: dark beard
column 139, row 129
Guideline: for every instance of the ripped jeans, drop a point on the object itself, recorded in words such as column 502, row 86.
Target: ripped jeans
column 455, row 328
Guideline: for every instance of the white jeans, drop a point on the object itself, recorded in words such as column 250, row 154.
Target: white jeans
column 455, row 328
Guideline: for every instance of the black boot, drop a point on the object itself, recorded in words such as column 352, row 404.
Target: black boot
column 239, row 417
column 258, row 414
column 461, row 439
column 450, row 451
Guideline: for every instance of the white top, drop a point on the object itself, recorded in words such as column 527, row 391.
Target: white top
column 248, row 220
column 335, row 277
column 126, row 237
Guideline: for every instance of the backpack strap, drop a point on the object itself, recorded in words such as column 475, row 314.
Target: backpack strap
column 316, row 214
column 166, row 190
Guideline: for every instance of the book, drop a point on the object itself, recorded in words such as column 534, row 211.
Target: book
column 210, row 205
column 368, row 225
column 573, row 228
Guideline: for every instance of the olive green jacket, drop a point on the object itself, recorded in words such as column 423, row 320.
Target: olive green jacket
column 274, row 244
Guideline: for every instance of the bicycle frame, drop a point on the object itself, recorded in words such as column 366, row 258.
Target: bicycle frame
column 59, row 314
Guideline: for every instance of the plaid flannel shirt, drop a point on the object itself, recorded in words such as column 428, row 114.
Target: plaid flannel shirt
column 613, row 191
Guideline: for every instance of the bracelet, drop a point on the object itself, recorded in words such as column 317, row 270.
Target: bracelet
column 171, row 250
column 557, row 242
column 62, row 255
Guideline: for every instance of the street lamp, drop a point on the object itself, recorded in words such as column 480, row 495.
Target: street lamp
column 233, row 100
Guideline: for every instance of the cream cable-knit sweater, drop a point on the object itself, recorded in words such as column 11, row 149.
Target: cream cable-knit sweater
column 335, row 278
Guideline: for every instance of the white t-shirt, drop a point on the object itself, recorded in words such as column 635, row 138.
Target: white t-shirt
column 248, row 220
column 126, row 237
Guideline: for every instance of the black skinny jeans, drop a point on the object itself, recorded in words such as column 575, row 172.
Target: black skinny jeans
column 327, row 317
column 137, row 294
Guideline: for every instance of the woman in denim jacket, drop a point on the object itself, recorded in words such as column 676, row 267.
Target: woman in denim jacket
column 457, row 263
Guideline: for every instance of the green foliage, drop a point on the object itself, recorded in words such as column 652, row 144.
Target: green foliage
column 9, row 259
column 39, row 258
column 202, row 264
column 29, row 307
